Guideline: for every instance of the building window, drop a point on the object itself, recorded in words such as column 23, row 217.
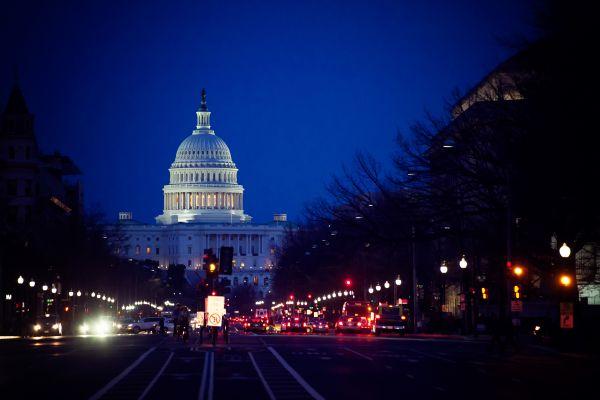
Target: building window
column 189, row 263
column 235, row 281
column 28, row 187
column 189, row 249
column 148, row 250
column 266, row 281
column 255, row 280
column 245, row 280
column 137, row 249
column 157, row 251
column 11, row 187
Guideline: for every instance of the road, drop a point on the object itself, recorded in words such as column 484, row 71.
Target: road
column 286, row 367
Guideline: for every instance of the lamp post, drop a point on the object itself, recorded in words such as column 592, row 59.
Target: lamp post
column 20, row 282
column 444, row 271
column 397, row 283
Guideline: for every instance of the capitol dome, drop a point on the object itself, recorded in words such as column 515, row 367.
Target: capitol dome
column 203, row 179
column 202, row 149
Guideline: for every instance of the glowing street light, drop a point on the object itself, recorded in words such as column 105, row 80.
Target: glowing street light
column 463, row 263
column 565, row 280
column 378, row 287
column 386, row 285
column 44, row 287
column 20, row 280
column 565, row 251
column 444, row 267
column 54, row 290
column 31, row 283
column 71, row 293
column 398, row 281
column 371, row 289
column 79, row 293
column 93, row 294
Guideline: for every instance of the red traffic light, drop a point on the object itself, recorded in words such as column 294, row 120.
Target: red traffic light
column 348, row 282
column 291, row 297
column 309, row 296
column 213, row 293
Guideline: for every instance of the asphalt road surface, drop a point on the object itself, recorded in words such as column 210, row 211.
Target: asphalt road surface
column 286, row 367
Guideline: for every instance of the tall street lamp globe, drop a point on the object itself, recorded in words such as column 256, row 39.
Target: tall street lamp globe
column 378, row 287
column 20, row 280
column 371, row 289
column 463, row 263
column 54, row 290
column 398, row 281
column 94, row 294
column 71, row 293
column 386, row 285
column 79, row 293
column 443, row 267
column 31, row 283
column 565, row 251
column 103, row 297
column 44, row 287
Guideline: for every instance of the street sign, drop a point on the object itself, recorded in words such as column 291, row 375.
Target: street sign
column 566, row 315
column 516, row 306
column 214, row 319
column 214, row 304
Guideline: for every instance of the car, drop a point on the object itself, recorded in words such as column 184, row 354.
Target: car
column 169, row 325
column 390, row 319
column 147, row 324
column 123, row 323
column 47, row 324
column 352, row 325
column 98, row 325
column 257, row 325
column 318, row 325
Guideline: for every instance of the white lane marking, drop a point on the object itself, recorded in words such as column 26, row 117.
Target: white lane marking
column 296, row 375
column 433, row 356
column 211, row 376
column 122, row 375
column 358, row 354
column 204, row 376
column 262, row 378
column 153, row 381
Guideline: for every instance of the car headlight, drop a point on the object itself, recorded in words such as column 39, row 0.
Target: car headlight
column 119, row 326
column 37, row 327
column 84, row 328
column 55, row 326
column 102, row 327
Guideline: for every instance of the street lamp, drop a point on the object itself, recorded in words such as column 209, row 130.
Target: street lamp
column 565, row 280
column 31, row 283
column 71, row 293
column 444, row 267
column 386, row 285
column 20, row 280
column 371, row 289
column 565, row 251
column 463, row 263
column 398, row 281
column 93, row 294
column 54, row 290
column 79, row 293
column 44, row 287
column 378, row 287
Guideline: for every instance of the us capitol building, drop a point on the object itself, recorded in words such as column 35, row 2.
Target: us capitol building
column 203, row 207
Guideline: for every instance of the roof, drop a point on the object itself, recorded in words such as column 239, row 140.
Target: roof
column 16, row 102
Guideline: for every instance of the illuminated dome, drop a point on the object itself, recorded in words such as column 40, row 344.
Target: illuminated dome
column 203, row 179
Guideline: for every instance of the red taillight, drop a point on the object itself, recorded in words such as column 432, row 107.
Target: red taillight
column 304, row 324
column 403, row 318
column 359, row 324
column 295, row 319
column 378, row 316
column 340, row 323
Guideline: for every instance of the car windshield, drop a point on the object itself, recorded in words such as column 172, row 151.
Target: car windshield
column 390, row 312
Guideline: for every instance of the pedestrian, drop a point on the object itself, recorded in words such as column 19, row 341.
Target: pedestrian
column 226, row 329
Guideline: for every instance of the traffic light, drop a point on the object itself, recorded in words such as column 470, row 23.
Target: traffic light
column 484, row 293
column 210, row 263
column 226, row 260
column 565, row 280
column 348, row 282
column 517, row 291
column 518, row 271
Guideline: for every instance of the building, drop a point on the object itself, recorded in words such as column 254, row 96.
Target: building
column 34, row 186
column 203, row 208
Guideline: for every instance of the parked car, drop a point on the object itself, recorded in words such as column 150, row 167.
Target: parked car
column 318, row 325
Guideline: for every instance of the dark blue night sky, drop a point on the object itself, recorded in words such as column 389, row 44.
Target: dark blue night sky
column 295, row 87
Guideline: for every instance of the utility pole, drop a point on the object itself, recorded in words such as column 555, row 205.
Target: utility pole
column 414, row 278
